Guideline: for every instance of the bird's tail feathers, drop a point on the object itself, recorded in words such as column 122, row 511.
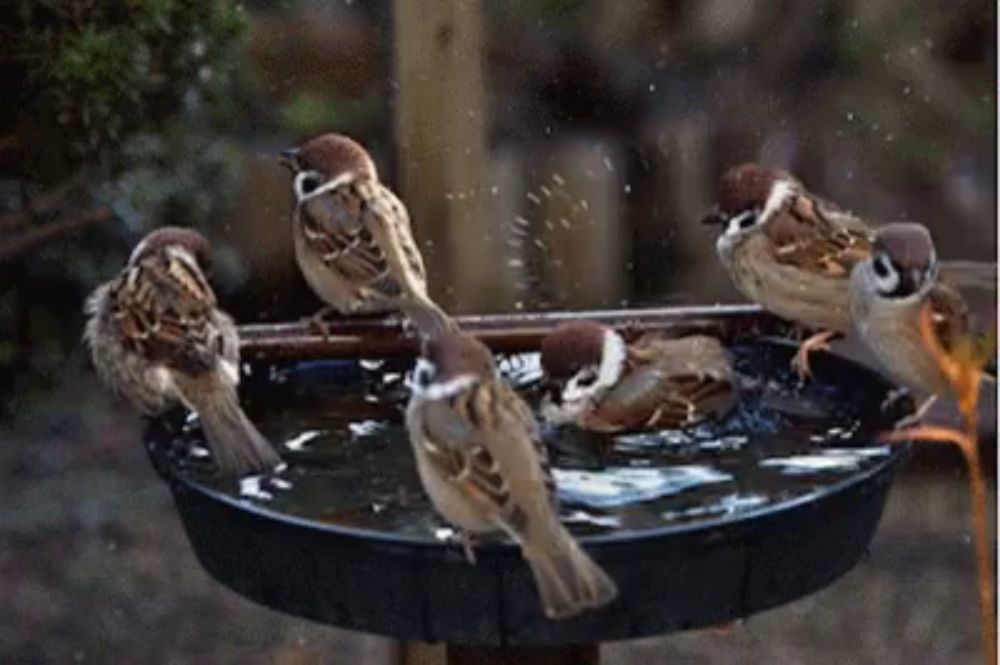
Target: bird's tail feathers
column 238, row 448
column 568, row 580
column 427, row 317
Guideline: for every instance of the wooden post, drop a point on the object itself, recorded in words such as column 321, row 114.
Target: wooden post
column 574, row 205
column 260, row 228
column 441, row 134
column 679, row 151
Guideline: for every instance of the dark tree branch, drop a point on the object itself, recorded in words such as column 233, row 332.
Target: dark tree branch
column 29, row 238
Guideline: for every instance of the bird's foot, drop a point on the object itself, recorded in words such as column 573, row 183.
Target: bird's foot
column 316, row 323
column 468, row 544
column 818, row 342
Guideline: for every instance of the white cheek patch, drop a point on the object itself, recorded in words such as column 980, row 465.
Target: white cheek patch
column 301, row 176
column 612, row 359
column 576, row 397
column 781, row 192
column 889, row 282
column 574, row 391
column 437, row 391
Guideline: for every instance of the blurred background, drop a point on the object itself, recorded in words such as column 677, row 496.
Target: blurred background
column 553, row 154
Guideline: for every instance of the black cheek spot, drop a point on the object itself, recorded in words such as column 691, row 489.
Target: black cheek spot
column 310, row 184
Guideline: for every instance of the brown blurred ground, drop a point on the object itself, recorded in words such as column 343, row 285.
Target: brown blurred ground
column 96, row 568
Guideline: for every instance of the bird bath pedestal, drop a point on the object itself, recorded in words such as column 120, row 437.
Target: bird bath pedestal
column 678, row 576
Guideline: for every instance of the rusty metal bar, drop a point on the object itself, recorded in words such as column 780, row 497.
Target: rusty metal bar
column 504, row 333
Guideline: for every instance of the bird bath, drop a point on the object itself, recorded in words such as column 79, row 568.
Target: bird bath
column 749, row 511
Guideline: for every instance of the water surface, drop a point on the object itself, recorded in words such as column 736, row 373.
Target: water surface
column 340, row 428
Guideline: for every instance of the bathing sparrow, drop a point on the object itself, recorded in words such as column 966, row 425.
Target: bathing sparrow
column 597, row 382
column 481, row 460
column 158, row 338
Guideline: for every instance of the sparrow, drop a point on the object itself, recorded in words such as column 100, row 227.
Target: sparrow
column 157, row 337
column 597, row 382
column 480, row 457
column 789, row 251
column 352, row 236
column 888, row 294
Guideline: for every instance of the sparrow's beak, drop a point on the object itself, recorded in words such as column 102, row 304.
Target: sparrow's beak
column 287, row 158
column 715, row 217
column 911, row 281
column 552, row 390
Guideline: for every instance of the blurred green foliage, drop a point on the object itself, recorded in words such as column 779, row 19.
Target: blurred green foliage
column 101, row 71
column 131, row 105
column 310, row 112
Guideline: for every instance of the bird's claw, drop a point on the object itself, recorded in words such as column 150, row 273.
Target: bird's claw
column 317, row 325
column 818, row 342
column 468, row 543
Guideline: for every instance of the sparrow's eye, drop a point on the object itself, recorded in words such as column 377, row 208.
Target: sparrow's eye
column 742, row 222
column 310, row 183
column 747, row 219
column 586, row 378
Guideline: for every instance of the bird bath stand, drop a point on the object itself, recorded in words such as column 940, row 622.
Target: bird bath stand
column 678, row 575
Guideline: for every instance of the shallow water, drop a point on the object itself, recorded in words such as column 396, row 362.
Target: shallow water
column 340, row 428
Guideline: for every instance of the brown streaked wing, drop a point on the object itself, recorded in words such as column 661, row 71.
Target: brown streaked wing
column 819, row 237
column 163, row 309
column 337, row 228
column 458, row 448
column 652, row 397
column 509, row 398
column 391, row 212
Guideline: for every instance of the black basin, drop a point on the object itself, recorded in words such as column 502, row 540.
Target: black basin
column 672, row 578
